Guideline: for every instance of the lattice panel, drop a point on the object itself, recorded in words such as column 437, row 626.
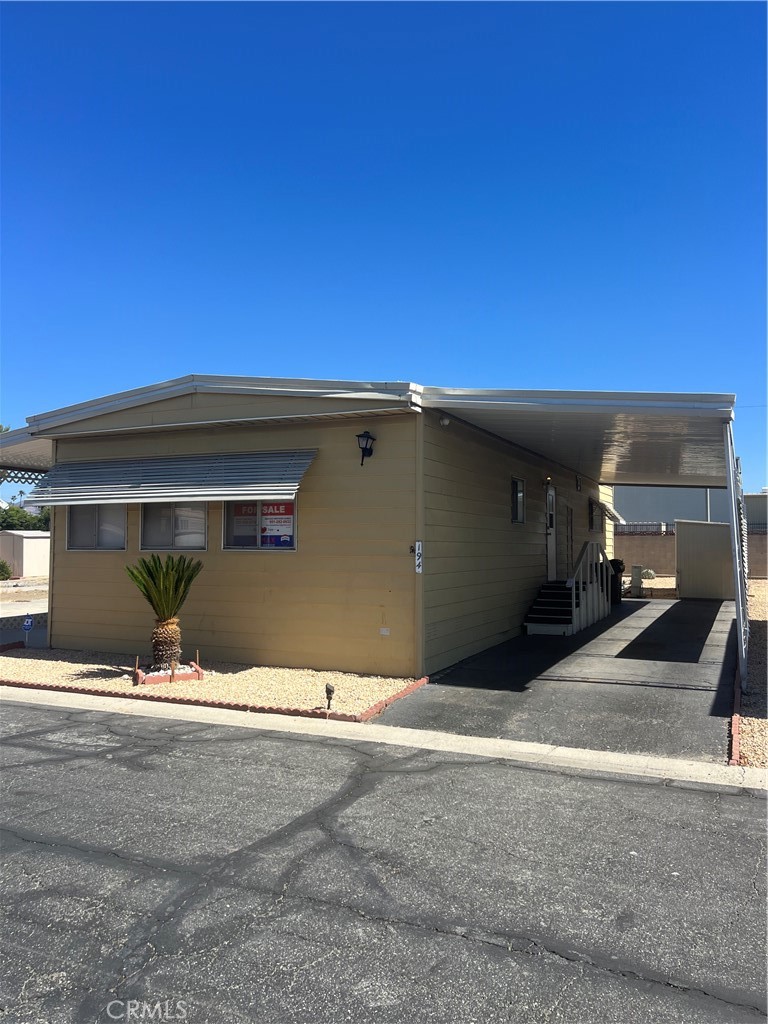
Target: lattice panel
column 21, row 476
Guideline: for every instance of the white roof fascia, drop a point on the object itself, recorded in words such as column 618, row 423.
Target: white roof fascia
column 200, row 384
column 590, row 401
column 244, row 422
column 20, row 449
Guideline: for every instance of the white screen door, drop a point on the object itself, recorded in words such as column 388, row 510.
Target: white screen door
column 551, row 534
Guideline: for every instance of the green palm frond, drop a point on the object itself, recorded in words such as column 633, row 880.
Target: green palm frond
column 166, row 584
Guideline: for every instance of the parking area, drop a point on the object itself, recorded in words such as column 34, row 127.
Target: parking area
column 655, row 677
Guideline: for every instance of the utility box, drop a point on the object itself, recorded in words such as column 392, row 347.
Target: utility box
column 704, row 560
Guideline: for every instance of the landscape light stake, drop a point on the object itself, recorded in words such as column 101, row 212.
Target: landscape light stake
column 330, row 689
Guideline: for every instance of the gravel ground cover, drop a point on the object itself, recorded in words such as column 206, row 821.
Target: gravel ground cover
column 297, row 689
column 754, row 723
column 30, row 588
column 661, row 586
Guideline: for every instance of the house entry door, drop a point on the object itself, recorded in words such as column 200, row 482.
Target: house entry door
column 551, row 534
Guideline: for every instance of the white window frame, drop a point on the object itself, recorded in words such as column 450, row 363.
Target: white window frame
column 225, row 506
column 173, row 504
column 517, row 486
column 595, row 514
column 96, row 546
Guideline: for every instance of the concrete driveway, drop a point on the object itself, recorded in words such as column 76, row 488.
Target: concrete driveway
column 656, row 677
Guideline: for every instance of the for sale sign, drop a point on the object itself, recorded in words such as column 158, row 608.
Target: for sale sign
column 245, row 524
column 277, row 524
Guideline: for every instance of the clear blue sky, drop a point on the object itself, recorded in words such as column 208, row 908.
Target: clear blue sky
column 522, row 195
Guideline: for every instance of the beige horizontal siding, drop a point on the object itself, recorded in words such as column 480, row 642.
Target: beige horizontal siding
column 479, row 567
column 481, row 571
column 321, row 606
column 606, row 494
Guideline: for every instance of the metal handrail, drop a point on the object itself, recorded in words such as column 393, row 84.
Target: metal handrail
column 591, row 584
column 737, row 522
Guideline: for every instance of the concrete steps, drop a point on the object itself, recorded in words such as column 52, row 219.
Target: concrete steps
column 551, row 611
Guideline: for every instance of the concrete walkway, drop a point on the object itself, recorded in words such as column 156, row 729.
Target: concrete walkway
column 662, row 771
column 12, row 615
column 656, row 677
column 12, row 609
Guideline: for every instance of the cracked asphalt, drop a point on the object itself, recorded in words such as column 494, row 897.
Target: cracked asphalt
column 276, row 878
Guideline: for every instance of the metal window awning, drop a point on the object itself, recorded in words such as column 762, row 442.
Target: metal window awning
column 610, row 512
column 252, row 475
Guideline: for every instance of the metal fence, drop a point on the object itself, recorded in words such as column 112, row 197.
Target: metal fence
column 644, row 529
column 661, row 529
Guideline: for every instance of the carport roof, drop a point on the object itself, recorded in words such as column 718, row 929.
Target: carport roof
column 616, row 437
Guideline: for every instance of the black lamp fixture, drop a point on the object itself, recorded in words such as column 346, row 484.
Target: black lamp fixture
column 365, row 442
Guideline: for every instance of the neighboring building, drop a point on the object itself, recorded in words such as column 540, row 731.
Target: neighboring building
column 756, row 510
column 647, row 537
column 432, row 550
column 666, row 504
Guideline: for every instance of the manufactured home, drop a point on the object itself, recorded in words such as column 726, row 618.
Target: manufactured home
column 384, row 528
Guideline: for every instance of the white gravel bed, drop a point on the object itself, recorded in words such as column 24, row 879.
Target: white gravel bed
column 754, row 703
column 299, row 689
column 28, row 588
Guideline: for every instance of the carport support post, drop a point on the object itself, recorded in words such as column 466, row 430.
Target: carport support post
column 739, row 580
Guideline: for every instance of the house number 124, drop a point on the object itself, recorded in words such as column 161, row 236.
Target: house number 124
column 418, row 557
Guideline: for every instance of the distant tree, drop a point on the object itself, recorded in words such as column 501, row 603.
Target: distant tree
column 16, row 518
column 4, row 429
column 43, row 518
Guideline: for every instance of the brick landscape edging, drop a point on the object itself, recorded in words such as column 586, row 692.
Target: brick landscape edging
column 336, row 716
column 141, row 678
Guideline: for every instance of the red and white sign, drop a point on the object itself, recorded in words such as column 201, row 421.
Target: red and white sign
column 277, row 524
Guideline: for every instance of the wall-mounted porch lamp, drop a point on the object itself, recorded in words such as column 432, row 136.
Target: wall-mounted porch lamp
column 365, row 442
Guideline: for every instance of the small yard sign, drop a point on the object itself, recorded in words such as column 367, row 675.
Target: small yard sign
column 29, row 623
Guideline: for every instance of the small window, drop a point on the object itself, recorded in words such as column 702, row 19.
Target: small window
column 260, row 525
column 518, row 501
column 595, row 517
column 174, row 525
column 96, row 528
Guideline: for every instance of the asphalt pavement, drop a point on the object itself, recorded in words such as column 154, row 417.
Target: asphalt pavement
column 226, row 875
column 655, row 677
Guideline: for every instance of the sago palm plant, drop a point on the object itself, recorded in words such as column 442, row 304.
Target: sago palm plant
column 165, row 585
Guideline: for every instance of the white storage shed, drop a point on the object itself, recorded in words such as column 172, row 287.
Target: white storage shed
column 27, row 552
